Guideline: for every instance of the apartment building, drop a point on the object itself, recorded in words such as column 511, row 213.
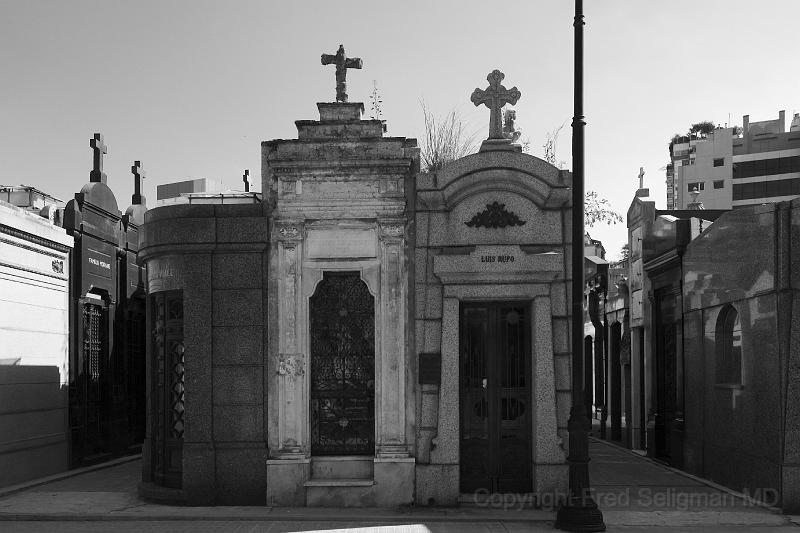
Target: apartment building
column 733, row 167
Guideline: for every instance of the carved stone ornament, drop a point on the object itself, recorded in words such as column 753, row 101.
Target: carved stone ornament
column 391, row 230
column 495, row 216
column 288, row 231
column 291, row 364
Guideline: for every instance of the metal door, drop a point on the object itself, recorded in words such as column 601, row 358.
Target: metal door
column 495, row 394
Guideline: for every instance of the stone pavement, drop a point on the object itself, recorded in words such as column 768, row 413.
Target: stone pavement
column 635, row 494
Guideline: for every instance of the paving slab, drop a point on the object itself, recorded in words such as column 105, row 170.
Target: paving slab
column 633, row 492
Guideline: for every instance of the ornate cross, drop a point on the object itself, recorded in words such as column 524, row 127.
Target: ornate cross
column 342, row 63
column 495, row 97
column 641, row 177
column 99, row 148
column 138, row 176
column 246, row 180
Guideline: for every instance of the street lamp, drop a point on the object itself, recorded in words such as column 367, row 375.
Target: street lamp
column 580, row 512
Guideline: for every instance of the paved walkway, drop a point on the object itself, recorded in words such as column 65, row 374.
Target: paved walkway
column 633, row 492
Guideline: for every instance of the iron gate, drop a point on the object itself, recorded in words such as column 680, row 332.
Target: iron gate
column 342, row 331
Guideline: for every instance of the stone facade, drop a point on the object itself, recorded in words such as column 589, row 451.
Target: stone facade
column 34, row 345
column 470, row 249
column 345, row 206
column 107, row 354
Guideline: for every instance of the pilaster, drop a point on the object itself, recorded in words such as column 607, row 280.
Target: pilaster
column 391, row 438
column 290, row 364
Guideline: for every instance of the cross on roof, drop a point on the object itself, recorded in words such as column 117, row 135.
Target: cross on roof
column 138, row 176
column 641, row 177
column 99, row 148
column 246, row 180
column 342, row 63
column 495, row 97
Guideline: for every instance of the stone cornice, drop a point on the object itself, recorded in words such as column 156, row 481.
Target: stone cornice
column 41, row 241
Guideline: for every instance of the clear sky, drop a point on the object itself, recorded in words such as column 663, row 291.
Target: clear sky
column 191, row 88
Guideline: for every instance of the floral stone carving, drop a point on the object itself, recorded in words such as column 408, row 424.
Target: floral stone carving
column 495, row 216
column 291, row 364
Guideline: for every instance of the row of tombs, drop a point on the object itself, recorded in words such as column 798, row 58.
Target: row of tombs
column 72, row 337
column 361, row 333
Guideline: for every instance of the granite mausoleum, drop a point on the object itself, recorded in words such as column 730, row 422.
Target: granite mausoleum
column 361, row 333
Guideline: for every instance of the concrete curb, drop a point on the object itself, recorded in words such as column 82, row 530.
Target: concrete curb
column 223, row 514
column 11, row 489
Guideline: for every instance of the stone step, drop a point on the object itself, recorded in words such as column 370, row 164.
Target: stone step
column 340, row 493
column 344, row 467
column 365, row 482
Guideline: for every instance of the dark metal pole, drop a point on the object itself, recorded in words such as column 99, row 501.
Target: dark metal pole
column 580, row 513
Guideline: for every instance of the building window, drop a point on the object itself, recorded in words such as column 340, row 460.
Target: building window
column 719, row 184
column 719, row 161
column 728, row 340
column 766, row 189
column 699, row 185
column 766, row 167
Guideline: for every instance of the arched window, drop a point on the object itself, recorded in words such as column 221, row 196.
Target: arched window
column 729, row 347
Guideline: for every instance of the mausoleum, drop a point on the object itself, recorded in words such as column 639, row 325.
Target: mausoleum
column 361, row 334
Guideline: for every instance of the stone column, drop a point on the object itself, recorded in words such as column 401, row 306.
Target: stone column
column 390, row 362
column 290, row 365
column 550, row 472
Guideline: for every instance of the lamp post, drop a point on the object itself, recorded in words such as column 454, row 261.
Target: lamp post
column 580, row 512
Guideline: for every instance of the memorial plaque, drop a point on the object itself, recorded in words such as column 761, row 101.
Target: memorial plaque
column 341, row 243
column 430, row 368
column 98, row 263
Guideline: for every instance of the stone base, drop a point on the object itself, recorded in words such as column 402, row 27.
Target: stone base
column 550, row 481
column 394, row 481
column 491, row 145
column 437, row 485
column 286, row 482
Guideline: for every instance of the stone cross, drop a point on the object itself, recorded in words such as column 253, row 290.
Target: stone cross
column 495, row 97
column 342, row 63
column 138, row 176
column 99, row 148
column 641, row 177
column 246, row 180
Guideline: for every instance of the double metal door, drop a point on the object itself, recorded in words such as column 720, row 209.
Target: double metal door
column 495, row 394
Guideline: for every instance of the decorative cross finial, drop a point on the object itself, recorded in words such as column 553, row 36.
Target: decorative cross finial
column 495, row 97
column 246, row 180
column 342, row 63
column 138, row 176
column 99, row 148
column 641, row 177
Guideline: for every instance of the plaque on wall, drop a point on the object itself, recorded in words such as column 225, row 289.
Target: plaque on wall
column 430, row 368
column 341, row 243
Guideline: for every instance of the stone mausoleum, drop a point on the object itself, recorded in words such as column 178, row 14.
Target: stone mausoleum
column 361, row 333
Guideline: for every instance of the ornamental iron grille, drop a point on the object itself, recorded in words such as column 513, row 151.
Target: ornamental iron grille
column 342, row 330
column 135, row 380
column 495, row 395
column 168, row 387
column 88, row 395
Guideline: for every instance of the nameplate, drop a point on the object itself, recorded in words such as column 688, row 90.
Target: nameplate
column 430, row 368
column 98, row 263
column 340, row 243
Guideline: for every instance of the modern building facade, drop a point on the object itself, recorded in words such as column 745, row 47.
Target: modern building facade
column 734, row 167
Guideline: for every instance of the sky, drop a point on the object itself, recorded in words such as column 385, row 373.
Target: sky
column 192, row 87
